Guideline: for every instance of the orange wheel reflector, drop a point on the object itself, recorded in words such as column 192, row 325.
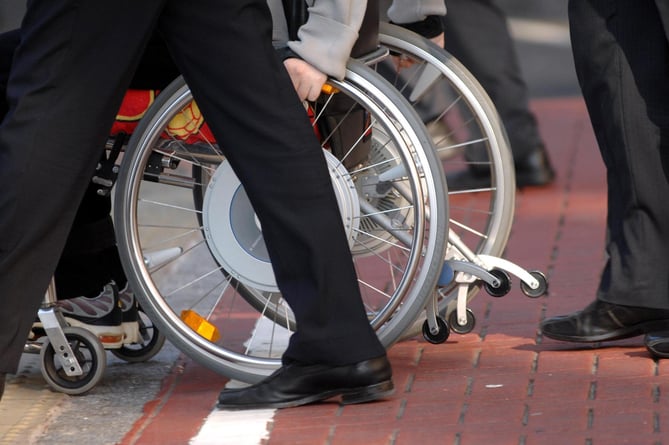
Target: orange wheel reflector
column 197, row 323
column 106, row 339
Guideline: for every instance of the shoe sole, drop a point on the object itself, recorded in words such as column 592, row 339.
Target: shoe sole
column 619, row 334
column 349, row 397
column 368, row 393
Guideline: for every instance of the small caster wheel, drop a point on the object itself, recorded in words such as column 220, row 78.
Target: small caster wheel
column 504, row 283
column 540, row 290
column 440, row 336
column 150, row 342
column 457, row 327
column 90, row 355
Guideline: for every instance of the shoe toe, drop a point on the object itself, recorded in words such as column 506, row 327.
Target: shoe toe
column 657, row 344
column 594, row 323
column 559, row 327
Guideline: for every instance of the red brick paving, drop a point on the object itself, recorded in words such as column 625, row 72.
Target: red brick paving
column 187, row 397
column 501, row 384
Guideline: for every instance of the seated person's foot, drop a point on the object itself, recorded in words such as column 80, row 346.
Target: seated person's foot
column 533, row 170
column 3, row 377
column 129, row 306
column 101, row 315
column 130, row 316
column 657, row 343
column 298, row 384
column 601, row 321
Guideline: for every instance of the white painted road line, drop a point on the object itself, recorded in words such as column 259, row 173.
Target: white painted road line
column 248, row 427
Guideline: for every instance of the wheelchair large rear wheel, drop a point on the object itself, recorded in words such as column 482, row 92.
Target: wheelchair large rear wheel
column 193, row 251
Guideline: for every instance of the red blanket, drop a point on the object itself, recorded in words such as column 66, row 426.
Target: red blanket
column 188, row 125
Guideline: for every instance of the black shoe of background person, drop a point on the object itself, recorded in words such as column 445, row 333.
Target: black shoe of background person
column 534, row 170
column 297, row 384
column 657, row 343
column 3, row 377
column 602, row 321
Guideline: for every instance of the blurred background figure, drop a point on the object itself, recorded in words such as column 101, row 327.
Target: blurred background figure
column 477, row 34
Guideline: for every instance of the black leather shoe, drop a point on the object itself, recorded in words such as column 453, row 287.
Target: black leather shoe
column 534, row 170
column 601, row 321
column 297, row 384
column 657, row 343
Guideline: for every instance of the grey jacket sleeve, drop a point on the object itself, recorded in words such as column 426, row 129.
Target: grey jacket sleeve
column 279, row 25
column 410, row 11
column 327, row 38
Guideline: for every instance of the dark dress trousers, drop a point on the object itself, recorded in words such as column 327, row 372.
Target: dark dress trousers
column 69, row 74
column 621, row 54
column 476, row 33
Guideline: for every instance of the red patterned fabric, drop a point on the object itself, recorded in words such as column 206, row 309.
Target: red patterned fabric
column 188, row 125
column 135, row 103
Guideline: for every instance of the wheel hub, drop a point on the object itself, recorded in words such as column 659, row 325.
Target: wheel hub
column 233, row 231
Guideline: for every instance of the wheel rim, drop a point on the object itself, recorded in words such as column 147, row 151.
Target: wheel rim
column 211, row 284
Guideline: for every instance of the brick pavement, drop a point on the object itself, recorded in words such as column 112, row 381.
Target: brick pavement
column 503, row 383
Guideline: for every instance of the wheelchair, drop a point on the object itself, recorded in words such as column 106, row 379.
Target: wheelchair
column 193, row 250
column 406, row 114
column 214, row 293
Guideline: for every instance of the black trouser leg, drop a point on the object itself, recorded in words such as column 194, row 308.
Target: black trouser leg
column 476, row 33
column 70, row 92
column 275, row 158
column 90, row 258
column 68, row 78
column 622, row 58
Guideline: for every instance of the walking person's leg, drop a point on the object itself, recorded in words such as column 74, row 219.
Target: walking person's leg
column 281, row 165
column 68, row 78
column 62, row 75
column 621, row 53
column 476, row 32
column 275, row 158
